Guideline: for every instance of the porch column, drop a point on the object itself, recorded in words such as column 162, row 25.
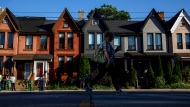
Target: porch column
column 125, row 63
column 172, row 63
column 131, row 63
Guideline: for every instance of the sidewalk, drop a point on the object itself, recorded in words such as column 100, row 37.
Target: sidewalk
column 126, row 90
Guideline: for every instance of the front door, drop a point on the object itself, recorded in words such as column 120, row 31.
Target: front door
column 39, row 69
column 27, row 70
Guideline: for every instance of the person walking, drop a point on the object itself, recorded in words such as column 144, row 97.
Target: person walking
column 13, row 79
column 107, row 67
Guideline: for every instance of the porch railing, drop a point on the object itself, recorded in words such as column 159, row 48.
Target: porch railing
column 29, row 76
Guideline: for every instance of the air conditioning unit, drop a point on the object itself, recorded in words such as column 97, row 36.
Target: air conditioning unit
column 1, row 46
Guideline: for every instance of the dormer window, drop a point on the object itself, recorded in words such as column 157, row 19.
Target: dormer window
column 65, row 24
column 5, row 20
column 95, row 22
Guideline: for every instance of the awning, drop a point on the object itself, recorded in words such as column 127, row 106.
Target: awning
column 42, row 57
column 183, row 56
column 23, row 57
column 33, row 57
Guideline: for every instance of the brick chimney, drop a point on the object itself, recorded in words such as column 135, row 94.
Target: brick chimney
column 161, row 14
column 80, row 15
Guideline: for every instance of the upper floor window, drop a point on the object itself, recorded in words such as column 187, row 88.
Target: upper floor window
column 99, row 39
column 6, row 20
column 70, row 41
column 43, row 42
column 10, row 40
column 158, row 41
column 179, row 41
column 95, row 22
column 69, row 65
column 91, row 41
column 2, row 39
column 29, row 40
column 65, row 24
column 187, row 38
column 60, row 64
column 117, row 41
column 131, row 43
column 150, row 44
column 61, row 41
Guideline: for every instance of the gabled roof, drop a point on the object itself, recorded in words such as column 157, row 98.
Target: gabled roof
column 124, row 26
column 14, row 21
column 65, row 11
column 91, row 17
column 153, row 14
column 174, row 21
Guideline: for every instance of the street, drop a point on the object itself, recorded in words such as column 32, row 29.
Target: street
column 100, row 98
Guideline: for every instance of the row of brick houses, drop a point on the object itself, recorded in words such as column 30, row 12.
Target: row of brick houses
column 34, row 47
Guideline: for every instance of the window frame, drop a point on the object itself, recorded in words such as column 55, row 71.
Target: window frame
column 180, row 41
column 151, row 45
column 62, row 39
column 91, row 46
column 114, row 41
column 43, row 45
column 158, row 47
column 95, row 22
column 130, row 46
column 2, row 41
column 10, row 42
column 29, row 46
column 187, row 40
column 70, row 45
column 65, row 24
column 69, row 65
column 99, row 40
column 61, row 64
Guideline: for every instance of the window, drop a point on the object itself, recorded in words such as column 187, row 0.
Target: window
column 29, row 41
column 117, row 41
column 158, row 41
column 91, row 41
column 43, row 42
column 8, row 65
column 95, row 22
column 60, row 64
column 131, row 43
column 61, row 41
column 187, row 38
column 150, row 44
column 10, row 40
column 2, row 39
column 1, row 63
column 99, row 40
column 179, row 41
column 69, row 65
column 65, row 24
column 70, row 41
column 6, row 20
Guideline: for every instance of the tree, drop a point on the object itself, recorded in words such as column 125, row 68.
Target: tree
column 84, row 67
column 168, row 73
column 177, row 75
column 160, row 71
column 108, row 12
column 150, row 75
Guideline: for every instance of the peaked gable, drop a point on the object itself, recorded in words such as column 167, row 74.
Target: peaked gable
column 66, row 14
column 95, row 13
column 153, row 14
column 13, row 20
column 174, row 21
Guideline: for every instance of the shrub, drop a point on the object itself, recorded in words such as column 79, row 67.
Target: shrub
column 160, row 82
column 177, row 70
column 84, row 67
column 132, row 77
column 150, row 76
column 159, row 71
column 180, row 85
column 168, row 73
column 186, row 74
column 175, row 79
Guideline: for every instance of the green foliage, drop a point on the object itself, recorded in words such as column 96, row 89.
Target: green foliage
column 132, row 77
column 160, row 82
column 108, row 12
column 97, row 86
column 175, row 79
column 186, row 74
column 150, row 75
column 180, row 85
column 84, row 66
column 177, row 75
column 159, row 71
column 168, row 73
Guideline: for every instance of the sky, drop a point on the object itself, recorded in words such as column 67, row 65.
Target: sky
column 52, row 9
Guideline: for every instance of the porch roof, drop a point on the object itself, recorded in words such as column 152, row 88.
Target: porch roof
column 183, row 55
column 43, row 57
column 23, row 57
